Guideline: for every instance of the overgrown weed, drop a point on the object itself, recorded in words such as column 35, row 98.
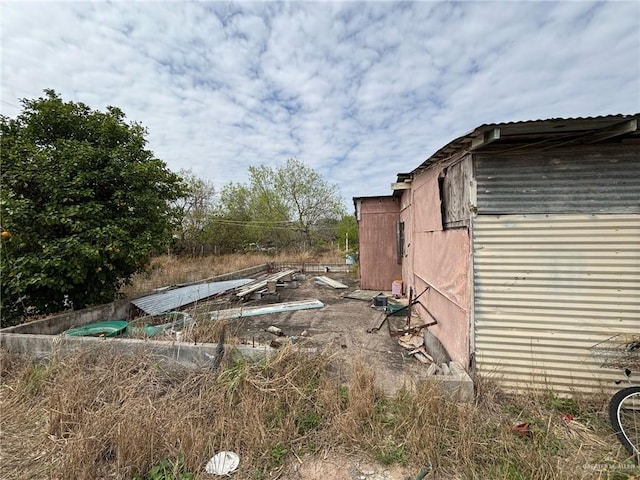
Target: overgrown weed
column 124, row 416
column 168, row 270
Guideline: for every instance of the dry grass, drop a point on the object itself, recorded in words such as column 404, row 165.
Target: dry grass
column 98, row 414
column 172, row 270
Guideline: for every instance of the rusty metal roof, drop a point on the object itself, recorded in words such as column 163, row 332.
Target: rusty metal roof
column 172, row 299
column 553, row 131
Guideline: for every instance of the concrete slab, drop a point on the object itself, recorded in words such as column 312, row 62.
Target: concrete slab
column 55, row 324
column 364, row 295
column 340, row 327
column 202, row 355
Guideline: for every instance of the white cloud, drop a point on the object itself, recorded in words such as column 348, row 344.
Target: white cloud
column 359, row 91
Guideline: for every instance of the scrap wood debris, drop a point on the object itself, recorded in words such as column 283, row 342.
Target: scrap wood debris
column 411, row 342
column 522, row 429
column 330, row 283
column 415, row 344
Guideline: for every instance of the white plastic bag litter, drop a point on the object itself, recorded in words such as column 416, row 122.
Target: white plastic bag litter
column 222, row 463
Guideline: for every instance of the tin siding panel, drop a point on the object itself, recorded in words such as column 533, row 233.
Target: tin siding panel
column 549, row 287
column 561, row 182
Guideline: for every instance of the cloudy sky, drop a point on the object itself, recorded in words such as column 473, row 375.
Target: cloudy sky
column 358, row 91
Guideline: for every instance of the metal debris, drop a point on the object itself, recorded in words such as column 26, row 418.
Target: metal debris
column 407, row 328
column 179, row 297
column 266, row 309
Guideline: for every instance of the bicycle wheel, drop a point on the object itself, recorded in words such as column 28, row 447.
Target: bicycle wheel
column 624, row 414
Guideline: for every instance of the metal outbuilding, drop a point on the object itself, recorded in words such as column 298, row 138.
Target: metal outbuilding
column 528, row 237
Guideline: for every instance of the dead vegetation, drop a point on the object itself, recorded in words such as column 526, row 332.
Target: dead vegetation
column 99, row 414
column 172, row 270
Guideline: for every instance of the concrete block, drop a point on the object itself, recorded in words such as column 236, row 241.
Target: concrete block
column 458, row 388
column 55, row 324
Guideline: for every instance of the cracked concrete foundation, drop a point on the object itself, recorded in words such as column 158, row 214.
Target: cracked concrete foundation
column 340, row 325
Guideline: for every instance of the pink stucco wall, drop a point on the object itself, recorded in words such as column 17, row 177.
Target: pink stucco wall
column 440, row 259
column 378, row 245
column 442, row 262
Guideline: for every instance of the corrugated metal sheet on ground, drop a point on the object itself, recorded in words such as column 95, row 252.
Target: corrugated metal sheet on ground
column 266, row 309
column 547, row 289
column 172, row 299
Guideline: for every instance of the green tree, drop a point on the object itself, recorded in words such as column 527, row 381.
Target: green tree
column 194, row 209
column 307, row 197
column 283, row 204
column 347, row 234
column 277, row 207
column 271, row 220
column 83, row 205
column 227, row 228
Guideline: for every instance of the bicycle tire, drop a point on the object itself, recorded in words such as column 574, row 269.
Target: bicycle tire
column 624, row 415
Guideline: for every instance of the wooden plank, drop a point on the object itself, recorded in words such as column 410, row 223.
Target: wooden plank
column 401, row 186
column 331, row 282
column 260, row 284
column 615, row 131
column 485, row 138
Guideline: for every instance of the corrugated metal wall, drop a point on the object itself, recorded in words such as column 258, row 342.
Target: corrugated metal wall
column 607, row 180
column 547, row 288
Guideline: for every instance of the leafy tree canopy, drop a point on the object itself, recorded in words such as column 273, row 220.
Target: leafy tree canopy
column 347, row 234
column 278, row 206
column 194, row 209
column 83, row 204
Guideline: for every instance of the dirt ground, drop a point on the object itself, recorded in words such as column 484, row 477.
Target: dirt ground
column 344, row 467
column 339, row 327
